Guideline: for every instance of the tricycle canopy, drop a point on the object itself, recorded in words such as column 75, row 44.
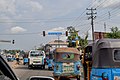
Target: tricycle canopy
column 106, row 53
column 66, row 54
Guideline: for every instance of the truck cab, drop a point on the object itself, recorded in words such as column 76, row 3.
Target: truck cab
column 36, row 59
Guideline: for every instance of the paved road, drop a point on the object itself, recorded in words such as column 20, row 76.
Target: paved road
column 23, row 72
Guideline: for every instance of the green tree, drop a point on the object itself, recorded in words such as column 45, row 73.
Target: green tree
column 115, row 33
column 84, row 42
column 72, row 37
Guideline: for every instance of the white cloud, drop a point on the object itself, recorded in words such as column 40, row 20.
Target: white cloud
column 17, row 29
column 11, row 7
column 107, row 3
column 35, row 6
column 7, row 6
column 57, row 8
column 112, row 3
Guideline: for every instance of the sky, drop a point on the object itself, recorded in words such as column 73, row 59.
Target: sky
column 25, row 20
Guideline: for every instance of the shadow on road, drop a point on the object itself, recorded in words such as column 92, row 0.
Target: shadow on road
column 21, row 67
column 33, row 68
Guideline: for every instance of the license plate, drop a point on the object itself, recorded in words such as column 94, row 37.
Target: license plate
column 68, row 69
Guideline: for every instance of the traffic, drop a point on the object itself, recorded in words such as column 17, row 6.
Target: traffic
column 67, row 63
column 59, row 40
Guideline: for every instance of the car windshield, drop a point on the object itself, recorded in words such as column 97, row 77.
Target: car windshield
column 35, row 53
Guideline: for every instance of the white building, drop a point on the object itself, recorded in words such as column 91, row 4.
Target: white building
column 58, row 43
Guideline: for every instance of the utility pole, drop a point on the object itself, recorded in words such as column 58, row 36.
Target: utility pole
column 92, row 17
column 105, row 27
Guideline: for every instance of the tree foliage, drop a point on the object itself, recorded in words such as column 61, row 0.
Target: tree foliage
column 84, row 42
column 115, row 33
column 72, row 37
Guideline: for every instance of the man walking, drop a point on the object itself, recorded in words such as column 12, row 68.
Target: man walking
column 17, row 57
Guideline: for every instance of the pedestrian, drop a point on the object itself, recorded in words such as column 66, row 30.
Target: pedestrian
column 17, row 57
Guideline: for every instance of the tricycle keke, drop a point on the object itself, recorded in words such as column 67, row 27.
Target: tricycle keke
column 106, row 60
column 67, row 63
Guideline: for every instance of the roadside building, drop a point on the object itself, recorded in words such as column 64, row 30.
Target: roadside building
column 58, row 43
column 99, row 35
column 54, row 44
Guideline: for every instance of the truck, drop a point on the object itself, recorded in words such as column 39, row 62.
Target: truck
column 36, row 59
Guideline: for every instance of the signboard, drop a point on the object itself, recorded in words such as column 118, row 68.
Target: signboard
column 73, row 41
column 54, row 33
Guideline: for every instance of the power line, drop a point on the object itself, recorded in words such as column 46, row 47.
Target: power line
column 109, row 12
column 102, row 3
column 32, row 20
column 80, row 17
column 83, row 24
